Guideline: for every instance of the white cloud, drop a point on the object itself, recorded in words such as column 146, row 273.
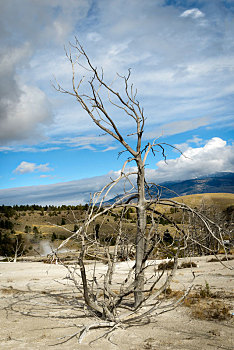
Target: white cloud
column 15, row 56
column 43, row 176
column 22, row 107
column 6, row 149
column 17, row 149
column 26, row 167
column 88, row 142
column 185, row 145
column 22, row 119
column 194, row 13
column 177, row 127
column 215, row 156
column 94, row 36
column 111, row 148
column 195, row 139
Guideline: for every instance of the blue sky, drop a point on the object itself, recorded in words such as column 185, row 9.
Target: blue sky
column 181, row 54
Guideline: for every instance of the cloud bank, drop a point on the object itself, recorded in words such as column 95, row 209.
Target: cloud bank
column 181, row 58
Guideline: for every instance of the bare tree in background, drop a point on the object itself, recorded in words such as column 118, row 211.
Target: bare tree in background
column 107, row 296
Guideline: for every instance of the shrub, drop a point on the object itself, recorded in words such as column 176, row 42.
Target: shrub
column 211, row 310
column 35, row 230
column 185, row 264
column 223, row 259
column 53, row 237
column 63, row 222
column 204, row 306
column 62, row 237
column 166, row 265
column 76, row 227
column 205, row 291
column 27, row 229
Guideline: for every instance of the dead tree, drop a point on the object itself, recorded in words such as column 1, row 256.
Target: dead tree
column 144, row 283
column 128, row 104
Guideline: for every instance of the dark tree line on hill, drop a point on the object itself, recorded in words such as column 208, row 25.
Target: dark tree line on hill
column 10, row 211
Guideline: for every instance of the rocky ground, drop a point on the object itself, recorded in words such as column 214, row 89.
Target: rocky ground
column 37, row 310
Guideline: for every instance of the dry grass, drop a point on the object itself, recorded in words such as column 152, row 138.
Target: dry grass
column 204, row 304
column 188, row 264
column 10, row 290
column 170, row 264
column 7, row 291
column 208, row 309
column 222, row 259
column 166, row 265
column 219, row 200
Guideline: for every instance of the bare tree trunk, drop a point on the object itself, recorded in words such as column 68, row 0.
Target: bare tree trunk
column 140, row 235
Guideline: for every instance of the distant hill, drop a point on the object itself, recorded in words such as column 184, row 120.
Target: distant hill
column 223, row 202
column 215, row 183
